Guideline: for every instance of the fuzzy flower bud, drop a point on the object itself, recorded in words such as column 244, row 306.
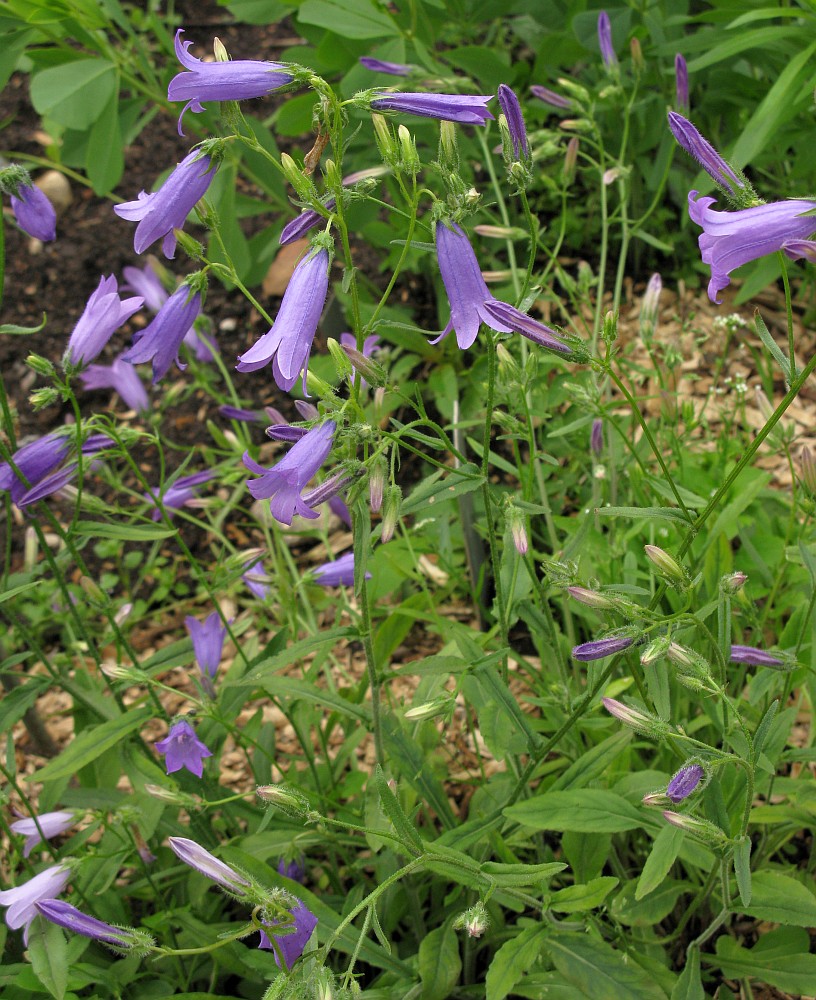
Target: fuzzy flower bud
column 289, row 800
column 636, row 719
column 732, row 583
column 700, row 829
column 807, row 471
column 685, row 782
column 475, row 920
column 591, row 598
column 649, row 307
column 391, row 510
column 668, row 568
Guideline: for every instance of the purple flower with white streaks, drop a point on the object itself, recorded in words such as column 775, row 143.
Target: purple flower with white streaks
column 122, row 378
column 289, row 341
column 706, row 155
column 293, row 869
column 160, row 213
column 256, row 579
column 65, row 915
column 470, row 301
column 596, row 437
column 145, row 282
column 178, row 494
column 730, row 239
column 467, row 109
column 182, row 748
column 511, row 109
column 197, row 857
column 161, row 340
column 52, row 824
column 383, row 66
column 338, row 573
column 283, row 484
column 21, row 901
column 238, row 80
column 291, row 944
column 681, row 83
column 208, row 642
column 754, row 657
column 599, row 648
column 550, row 97
column 104, row 313
column 684, row 782
column 605, row 41
column 34, row 213
column 34, row 461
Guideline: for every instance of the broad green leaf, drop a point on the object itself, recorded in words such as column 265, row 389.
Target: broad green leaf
column 655, row 513
column 105, row 162
column 592, row 764
column 651, row 910
column 91, row 744
column 74, row 94
column 47, row 951
column 781, row 899
column 689, row 985
column 579, row 898
column 780, row 958
column 742, row 868
column 598, row 970
column 18, row 701
column 662, row 856
column 519, row 875
column 586, row 810
column 512, row 960
column 439, row 962
column 349, row 18
column 258, row 11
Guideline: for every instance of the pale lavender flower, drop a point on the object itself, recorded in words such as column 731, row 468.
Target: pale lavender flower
column 122, row 378
column 55, row 481
column 468, row 109
column 339, row 508
column 307, row 220
column 338, row 573
column 754, row 657
column 470, row 301
column 238, row 80
column 236, row 413
column 52, row 824
column 255, row 577
column 65, row 915
column 550, row 97
column 292, row 869
column 684, row 782
column 596, row 437
column 291, row 944
column 599, row 648
column 636, row 719
column 145, row 282
column 203, row 346
column 511, row 109
column 331, row 487
column 182, row 748
column 208, row 642
column 283, row 484
column 161, row 340
column 158, row 214
column 21, row 901
column 383, row 66
column 35, row 461
column 104, row 313
column 730, row 239
column 34, row 213
column 178, row 494
column 681, row 83
column 207, row 864
column 605, row 41
column 705, row 154
column 289, row 341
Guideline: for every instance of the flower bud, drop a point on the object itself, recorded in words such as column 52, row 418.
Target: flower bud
column 431, row 709
column 391, row 510
column 448, row 152
column 501, row 232
column 637, row 54
column 636, row 719
column 46, row 396
column 649, row 307
column 341, row 362
column 668, row 568
column 591, row 598
column 655, row 651
column 570, row 159
column 370, row 370
column 702, row 831
column 93, row 592
column 807, row 471
column 684, row 782
column 41, row 365
column 220, row 51
column 384, row 138
column 303, row 185
column 172, row 796
column 518, row 528
column 289, row 800
column 475, row 920
column 656, row 799
column 732, row 583
column 410, row 158
column 376, row 485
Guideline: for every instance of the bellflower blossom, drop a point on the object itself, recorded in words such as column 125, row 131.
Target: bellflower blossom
column 34, row 212
column 730, row 239
column 596, row 437
column 383, row 66
column 255, row 577
column 122, row 378
column 605, row 41
column 161, row 340
column 338, row 573
column 208, row 642
column 65, row 915
column 470, row 301
column 292, row 869
column 283, row 484
column 178, row 494
column 707, row 156
column 550, row 97
column 599, row 648
column 34, row 460
column 236, row 80
column 52, row 824
column 182, row 748
column 468, row 109
column 289, row 341
column 160, row 213
column 681, row 83
column 44, row 476
column 104, row 313
column 754, row 657
column 511, row 109
column 684, row 782
column 21, row 901
column 145, row 282
column 291, row 944
column 207, row 864
column 306, row 221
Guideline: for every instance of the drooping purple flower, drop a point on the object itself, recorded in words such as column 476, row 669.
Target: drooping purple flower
column 338, row 573
column 383, row 66
column 236, row 80
column 104, row 313
column 681, row 83
column 599, row 648
column 754, row 657
column 52, row 824
column 236, row 413
column 292, row 943
column 158, row 214
column 370, row 345
column 21, row 901
column 468, row 109
column 289, row 341
column 65, row 915
column 301, row 225
column 182, row 748
column 550, row 97
column 34, row 213
column 293, row 869
column 605, row 41
column 145, row 282
column 208, row 642
column 255, row 577
column 122, row 378
column 161, row 340
column 283, row 484
column 207, row 864
column 201, row 344
column 511, row 109
column 34, row 460
column 730, row 239
column 684, row 782
column 55, row 481
column 705, row 154
column 596, row 437
column 178, row 494
column 470, row 301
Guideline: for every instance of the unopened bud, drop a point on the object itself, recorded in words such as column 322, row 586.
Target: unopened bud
column 475, row 920
column 636, row 719
column 655, row 651
column 391, row 511
column 668, row 568
column 376, row 485
column 384, row 138
column 637, row 54
column 302, row 184
column 93, row 592
column 119, row 672
column 508, row 366
column 341, row 362
column 702, row 831
column 172, row 796
column 31, row 549
column 610, row 327
column 807, row 470
column 410, row 158
column 44, row 397
column 123, row 613
column 501, row 232
column 220, row 51
column 289, row 800
column 658, row 799
column 448, row 151
column 688, row 662
column 189, row 244
column 41, row 365
column 571, row 158
column 591, row 598
column 732, row 583
column 431, row 709
column 371, row 370
column 518, row 528
column 649, row 307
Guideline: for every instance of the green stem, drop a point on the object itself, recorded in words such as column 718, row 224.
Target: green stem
column 789, row 312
